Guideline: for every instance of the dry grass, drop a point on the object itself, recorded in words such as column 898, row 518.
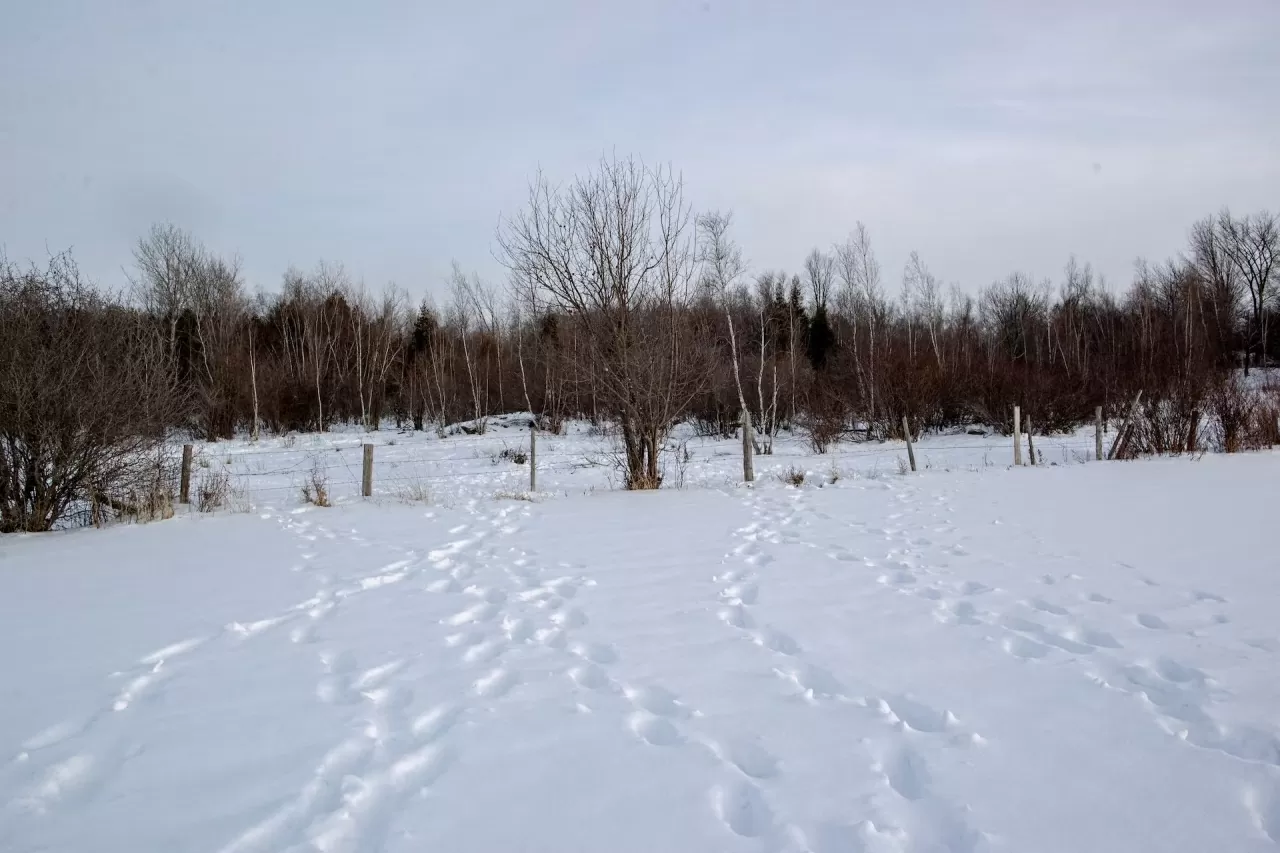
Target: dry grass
column 793, row 476
column 213, row 492
column 315, row 489
column 515, row 496
column 414, row 491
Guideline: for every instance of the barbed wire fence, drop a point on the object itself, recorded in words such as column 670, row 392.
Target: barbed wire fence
column 498, row 464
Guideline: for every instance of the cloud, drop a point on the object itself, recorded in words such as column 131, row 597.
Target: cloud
column 392, row 136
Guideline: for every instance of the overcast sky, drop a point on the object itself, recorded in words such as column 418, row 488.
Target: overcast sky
column 391, row 136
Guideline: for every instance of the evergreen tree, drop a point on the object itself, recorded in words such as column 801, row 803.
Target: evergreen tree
column 822, row 340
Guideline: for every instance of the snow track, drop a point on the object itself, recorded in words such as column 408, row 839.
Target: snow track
column 894, row 664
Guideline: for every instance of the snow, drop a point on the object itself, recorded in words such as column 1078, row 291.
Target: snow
column 1066, row 658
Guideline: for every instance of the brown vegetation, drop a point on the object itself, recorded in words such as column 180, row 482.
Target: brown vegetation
column 625, row 309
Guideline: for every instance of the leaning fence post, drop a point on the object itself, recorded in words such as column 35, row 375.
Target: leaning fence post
column 748, row 447
column 1122, row 437
column 366, row 484
column 906, row 432
column 533, row 456
column 1017, row 435
column 1031, row 444
column 184, row 486
column 1097, row 433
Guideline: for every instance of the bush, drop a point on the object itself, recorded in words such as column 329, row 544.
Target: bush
column 793, row 477
column 214, row 491
column 315, row 490
column 1167, row 426
column 1242, row 418
column 512, row 454
column 822, row 429
column 86, row 396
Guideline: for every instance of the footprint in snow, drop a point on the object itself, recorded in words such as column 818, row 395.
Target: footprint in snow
column 736, row 616
column 656, row 700
column 778, row 641
column 602, row 653
column 495, row 683
column 589, row 676
column 1179, row 673
column 748, row 756
column 916, row 715
column 906, row 773
column 959, row 613
column 652, row 729
column 1263, row 804
column 1021, row 647
column 570, row 617
column 1048, row 607
column 742, row 808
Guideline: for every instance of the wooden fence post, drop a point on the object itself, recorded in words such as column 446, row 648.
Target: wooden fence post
column 1017, row 435
column 748, row 448
column 366, row 484
column 1097, row 433
column 911, row 453
column 1191, row 431
column 184, row 486
column 1121, row 442
column 533, row 456
column 1031, row 443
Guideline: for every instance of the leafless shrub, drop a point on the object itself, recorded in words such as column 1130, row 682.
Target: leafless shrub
column 793, row 476
column 213, row 492
column 1233, row 410
column 515, row 496
column 1266, row 425
column 147, row 494
column 1164, row 426
column 413, row 490
column 511, row 454
column 315, row 489
column 85, row 398
column 822, row 430
column 682, row 456
column 708, row 426
column 903, row 468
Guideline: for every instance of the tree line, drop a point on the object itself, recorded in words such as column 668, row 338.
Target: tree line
column 622, row 306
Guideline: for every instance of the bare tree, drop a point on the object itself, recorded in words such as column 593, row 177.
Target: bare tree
column 464, row 311
column 1210, row 259
column 860, row 276
column 722, row 269
column 199, row 297
column 922, row 293
column 819, row 268
column 253, row 383
column 612, row 251
column 1252, row 244
column 375, row 340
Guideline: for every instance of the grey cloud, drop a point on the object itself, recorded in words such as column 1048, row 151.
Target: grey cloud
column 991, row 136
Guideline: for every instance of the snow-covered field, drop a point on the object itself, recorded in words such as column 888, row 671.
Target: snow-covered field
column 1077, row 657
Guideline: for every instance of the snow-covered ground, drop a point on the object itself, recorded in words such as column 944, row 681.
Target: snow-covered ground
column 1078, row 657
